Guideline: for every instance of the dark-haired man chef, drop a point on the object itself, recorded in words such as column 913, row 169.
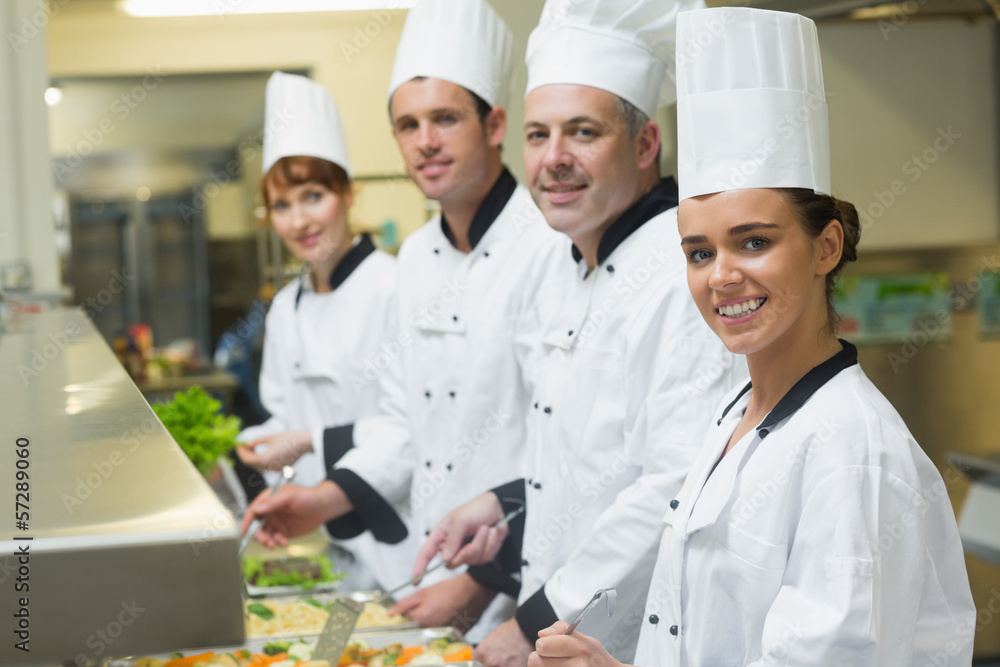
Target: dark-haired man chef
column 452, row 422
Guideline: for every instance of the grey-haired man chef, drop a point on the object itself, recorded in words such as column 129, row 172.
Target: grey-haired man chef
column 629, row 372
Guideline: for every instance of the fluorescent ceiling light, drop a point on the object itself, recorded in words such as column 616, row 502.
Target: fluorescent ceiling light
column 151, row 8
column 876, row 12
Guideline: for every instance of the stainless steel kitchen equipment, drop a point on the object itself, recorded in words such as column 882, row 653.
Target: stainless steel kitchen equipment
column 337, row 631
column 121, row 546
column 977, row 522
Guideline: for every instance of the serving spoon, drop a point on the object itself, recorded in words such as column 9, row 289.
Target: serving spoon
column 611, row 596
column 287, row 474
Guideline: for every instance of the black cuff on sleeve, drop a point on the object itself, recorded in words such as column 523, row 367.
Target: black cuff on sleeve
column 512, row 496
column 494, row 578
column 337, row 441
column 371, row 511
column 535, row 614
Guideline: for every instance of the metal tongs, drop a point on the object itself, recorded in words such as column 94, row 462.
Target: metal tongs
column 612, row 596
column 501, row 522
column 287, row 474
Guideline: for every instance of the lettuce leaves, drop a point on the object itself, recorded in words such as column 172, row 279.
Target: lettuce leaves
column 194, row 420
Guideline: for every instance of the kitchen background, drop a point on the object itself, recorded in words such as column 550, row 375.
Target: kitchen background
column 132, row 188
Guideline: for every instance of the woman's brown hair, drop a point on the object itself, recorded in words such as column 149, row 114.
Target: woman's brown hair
column 815, row 211
column 299, row 169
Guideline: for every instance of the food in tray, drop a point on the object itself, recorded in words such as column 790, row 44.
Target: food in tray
column 307, row 616
column 304, row 572
column 299, row 654
column 437, row 652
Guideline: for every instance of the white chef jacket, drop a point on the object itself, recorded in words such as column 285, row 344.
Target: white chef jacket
column 455, row 393
column 313, row 344
column 630, row 376
column 824, row 537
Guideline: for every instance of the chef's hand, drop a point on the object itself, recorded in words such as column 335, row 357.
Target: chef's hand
column 472, row 521
column 457, row 602
column 553, row 649
column 281, row 449
column 506, row 646
column 295, row 510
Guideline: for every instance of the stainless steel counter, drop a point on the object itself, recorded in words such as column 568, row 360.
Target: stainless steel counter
column 977, row 522
column 129, row 550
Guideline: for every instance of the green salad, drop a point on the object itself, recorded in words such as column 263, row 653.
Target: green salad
column 194, row 420
column 303, row 572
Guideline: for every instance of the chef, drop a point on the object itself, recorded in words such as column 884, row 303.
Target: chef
column 812, row 529
column 323, row 324
column 629, row 372
column 452, row 420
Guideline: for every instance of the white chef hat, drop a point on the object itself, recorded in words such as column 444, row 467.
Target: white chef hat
column 301, row 118
column 461, row 41
column 751, row 107
column 625, row 50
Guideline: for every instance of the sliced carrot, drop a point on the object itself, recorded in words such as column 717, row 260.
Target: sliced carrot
column 409, row 653
column 464, row 655
column 190, row 660
column 347, row 658
column 263, row 660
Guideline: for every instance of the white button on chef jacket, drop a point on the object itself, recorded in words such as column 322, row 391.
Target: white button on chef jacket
column 630, row 374
column 313, row 345
column 827, row 538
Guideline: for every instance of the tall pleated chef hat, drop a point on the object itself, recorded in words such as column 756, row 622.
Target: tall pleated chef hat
column 624, row 50
column 461, row 41
column 301, row 118
column 751, row 107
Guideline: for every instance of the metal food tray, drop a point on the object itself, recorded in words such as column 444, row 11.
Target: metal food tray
column 255, row 591
column 357, row 596
column 276, row 591
column 380, row 639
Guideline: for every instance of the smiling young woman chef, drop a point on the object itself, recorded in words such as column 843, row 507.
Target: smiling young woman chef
column 812, row 530
column 323, row 325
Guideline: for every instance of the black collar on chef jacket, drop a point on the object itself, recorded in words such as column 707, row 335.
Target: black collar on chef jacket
column 801, row 392
column 495, row 201
column 347, row 264
column 662, row 197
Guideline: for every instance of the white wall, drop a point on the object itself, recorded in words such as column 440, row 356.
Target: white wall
column 890, row 95
column 351, row 53
column 95, row 41
column 27, row 233
column 913, row 129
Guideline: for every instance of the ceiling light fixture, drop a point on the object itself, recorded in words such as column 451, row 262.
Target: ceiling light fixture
column 53, row 96
column 221, row 8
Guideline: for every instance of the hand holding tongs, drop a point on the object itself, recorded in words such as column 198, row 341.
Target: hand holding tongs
column 287, row 474
column 501, row 522
column 611, row 594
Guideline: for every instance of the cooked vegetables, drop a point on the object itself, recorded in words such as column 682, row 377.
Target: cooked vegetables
column 439, row 651
column 299, row 654
column 274, row 648
column 260, row 610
